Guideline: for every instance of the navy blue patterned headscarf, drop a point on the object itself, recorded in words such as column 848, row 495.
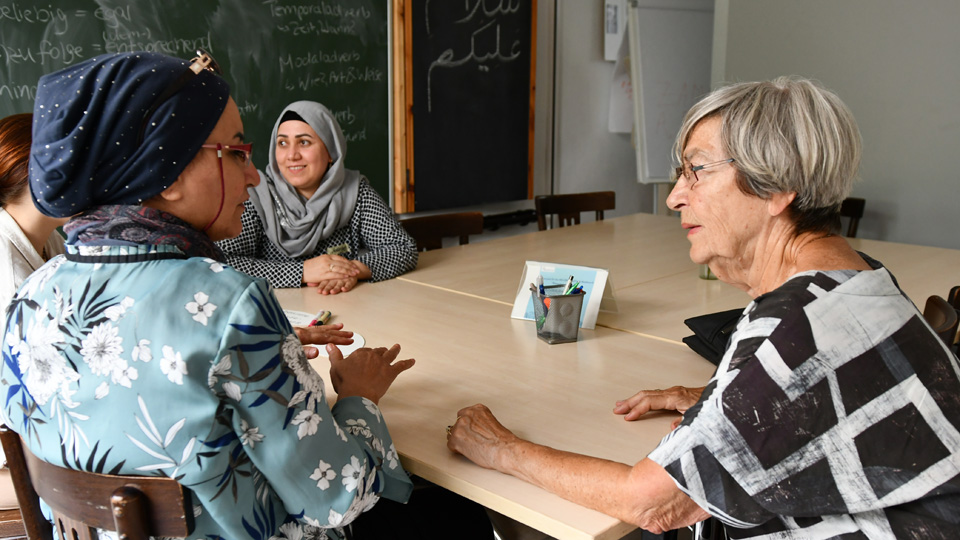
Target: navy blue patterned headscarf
column 89, row 119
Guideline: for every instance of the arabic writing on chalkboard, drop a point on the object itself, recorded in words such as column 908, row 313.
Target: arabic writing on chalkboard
column 486, row 42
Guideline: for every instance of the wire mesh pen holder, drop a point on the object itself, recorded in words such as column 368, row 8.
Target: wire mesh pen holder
column 557, row 317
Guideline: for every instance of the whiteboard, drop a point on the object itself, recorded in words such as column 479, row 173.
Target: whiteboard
column 671, row 43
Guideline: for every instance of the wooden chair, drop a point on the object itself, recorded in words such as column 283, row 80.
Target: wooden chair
column 34, row 525
column 942, row 317
column 429, row 231
column 852, row 208
column 137, row 507
column 11, row 525
column 569, row 206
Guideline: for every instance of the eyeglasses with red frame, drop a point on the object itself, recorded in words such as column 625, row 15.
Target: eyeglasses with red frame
column 243, row 153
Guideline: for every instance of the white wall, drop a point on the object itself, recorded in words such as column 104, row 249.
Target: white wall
column 896, row 65
column 586, row 156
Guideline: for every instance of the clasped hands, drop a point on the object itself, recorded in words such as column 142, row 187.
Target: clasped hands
column 332, row 274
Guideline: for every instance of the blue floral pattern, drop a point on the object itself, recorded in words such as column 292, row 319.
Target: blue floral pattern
column 154, row 364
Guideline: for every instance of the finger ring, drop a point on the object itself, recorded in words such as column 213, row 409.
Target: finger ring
column 448, row 430
column 331, row 267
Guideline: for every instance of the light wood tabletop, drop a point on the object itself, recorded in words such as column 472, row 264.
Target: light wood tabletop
column 453, row 315
column 468, row 351
column 655, row 284
column 634, row 248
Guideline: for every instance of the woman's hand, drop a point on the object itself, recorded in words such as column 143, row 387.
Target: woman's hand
column 332, row 274
column 321, row 335
column 334, row 286
column 677, row 398
column 366, row 372
column 479, row 436
column 327, row 268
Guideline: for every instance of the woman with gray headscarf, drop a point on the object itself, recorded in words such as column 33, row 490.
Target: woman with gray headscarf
column 313, row 221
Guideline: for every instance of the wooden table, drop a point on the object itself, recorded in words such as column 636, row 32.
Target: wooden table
column 453, row 315
column 655, row 283
column 635, row 248
column 468, row 351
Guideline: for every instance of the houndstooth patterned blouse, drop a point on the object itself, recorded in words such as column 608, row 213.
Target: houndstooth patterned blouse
column 373, row 237
column 835, row 412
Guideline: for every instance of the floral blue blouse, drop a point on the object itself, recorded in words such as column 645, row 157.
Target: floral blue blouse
column 138, row 360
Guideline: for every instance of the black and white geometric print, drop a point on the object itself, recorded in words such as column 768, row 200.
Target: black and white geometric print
column 835, row 412
column 373, row 237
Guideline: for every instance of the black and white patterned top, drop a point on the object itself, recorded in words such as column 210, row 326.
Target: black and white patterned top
column 835, row 412
column 373, row 237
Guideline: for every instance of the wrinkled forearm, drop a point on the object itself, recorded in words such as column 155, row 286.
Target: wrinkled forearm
column 644, row 494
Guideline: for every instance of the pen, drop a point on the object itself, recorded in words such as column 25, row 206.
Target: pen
column 566, row 288
column 572, row 287
column 321, row 318
column 540, row 283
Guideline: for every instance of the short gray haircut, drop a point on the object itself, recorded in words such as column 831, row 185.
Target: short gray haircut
column 787, row 134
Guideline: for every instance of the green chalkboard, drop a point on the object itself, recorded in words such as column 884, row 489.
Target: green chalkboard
column 273, row 52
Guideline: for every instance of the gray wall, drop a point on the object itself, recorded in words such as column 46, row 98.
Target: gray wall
column 896, row 65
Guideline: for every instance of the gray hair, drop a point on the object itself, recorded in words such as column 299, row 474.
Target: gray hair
column 787, row 134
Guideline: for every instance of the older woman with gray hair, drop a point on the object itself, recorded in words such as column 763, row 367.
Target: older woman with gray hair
column 835, row 410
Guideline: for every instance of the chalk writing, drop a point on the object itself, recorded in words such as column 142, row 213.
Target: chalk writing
column 498, row 7
column 319, row 28
column 19, row 91
column 345, row 117
column 324, row 9
column 173, row 47
column 247, row 108
column 348, row 76
column 354, row 136
column 46, row 52
column 113, row 16
column 484, row 47
column 315, row 58
column 35, row 15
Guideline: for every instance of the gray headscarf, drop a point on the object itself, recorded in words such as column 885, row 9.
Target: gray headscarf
column 294, row 225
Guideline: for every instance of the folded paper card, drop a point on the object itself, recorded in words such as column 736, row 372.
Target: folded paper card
column 597, row 290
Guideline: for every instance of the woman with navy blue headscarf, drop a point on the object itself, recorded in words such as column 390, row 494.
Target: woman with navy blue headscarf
column 141, row 353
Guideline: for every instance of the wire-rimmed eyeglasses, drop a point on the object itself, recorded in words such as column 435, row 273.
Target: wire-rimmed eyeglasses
column 689, row 170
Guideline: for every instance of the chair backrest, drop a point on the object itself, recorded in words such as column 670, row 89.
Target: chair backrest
column 852, row 208
column 568, row 207
column 137, row 507
column 35, row 525
column 942, row 317
column 429, row 231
